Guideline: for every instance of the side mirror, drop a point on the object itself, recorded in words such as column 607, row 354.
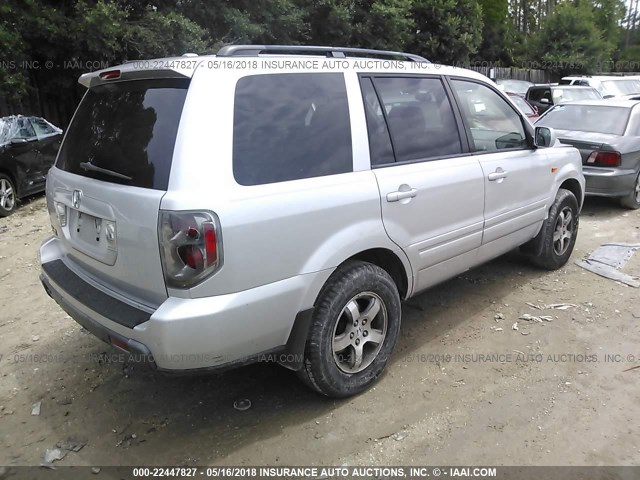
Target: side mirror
column 544, row 137
column 545, row 100
column 18, row 141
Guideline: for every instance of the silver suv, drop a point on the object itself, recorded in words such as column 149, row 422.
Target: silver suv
column 270, row 203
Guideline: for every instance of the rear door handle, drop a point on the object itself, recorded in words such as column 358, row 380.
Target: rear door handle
column 498, row 175
column 400, row 195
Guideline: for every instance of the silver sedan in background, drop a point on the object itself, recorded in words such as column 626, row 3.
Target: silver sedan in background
column 607, row 133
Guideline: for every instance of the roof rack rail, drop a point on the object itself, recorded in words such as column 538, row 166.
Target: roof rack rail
column 332, row 52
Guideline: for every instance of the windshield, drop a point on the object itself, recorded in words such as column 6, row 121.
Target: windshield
column 515, row 86
column 125, row 132
column 621, row 87
column 587, row 118
column 522, row 105
column 572, row 94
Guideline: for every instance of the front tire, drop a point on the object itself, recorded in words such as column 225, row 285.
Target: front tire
column 8, row 196
column 559, row 232
column 355, row 326
column 632, row 201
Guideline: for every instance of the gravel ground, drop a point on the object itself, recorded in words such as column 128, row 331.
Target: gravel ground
column 464, row 387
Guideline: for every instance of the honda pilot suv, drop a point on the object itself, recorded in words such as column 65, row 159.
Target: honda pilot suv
column 278, row 204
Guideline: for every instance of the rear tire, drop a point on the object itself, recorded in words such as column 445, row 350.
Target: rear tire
column 8, row 198
column 560, row 231
column 354, row 329
column 632, row 201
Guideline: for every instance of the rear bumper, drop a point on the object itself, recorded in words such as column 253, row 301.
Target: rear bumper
column 186, row 334
column 609, row 182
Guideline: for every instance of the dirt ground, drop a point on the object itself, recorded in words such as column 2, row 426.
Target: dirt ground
column 463, row 388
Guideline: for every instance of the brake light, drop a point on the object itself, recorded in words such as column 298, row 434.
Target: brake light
column 110, row 75
column 190, row 247
column 604, row 159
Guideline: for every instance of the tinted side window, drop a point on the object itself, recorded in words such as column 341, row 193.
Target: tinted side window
column 289, row 127
column 380, row 149
column 534, row 94
column 493, row 123
column 420, row 117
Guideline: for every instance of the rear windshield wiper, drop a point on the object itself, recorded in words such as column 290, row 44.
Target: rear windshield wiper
column 93, row 168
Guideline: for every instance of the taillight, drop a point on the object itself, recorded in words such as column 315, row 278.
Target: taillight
column 190, row 247
column 604, row 159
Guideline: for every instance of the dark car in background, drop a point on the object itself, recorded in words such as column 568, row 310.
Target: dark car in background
column 28, row 148
column 519, row 87
column 607, row 134
column 543, row 97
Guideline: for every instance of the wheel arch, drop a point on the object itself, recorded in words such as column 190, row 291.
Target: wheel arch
column 384, row 258
column 574, row 187
column 389, row 262
column 12, row 177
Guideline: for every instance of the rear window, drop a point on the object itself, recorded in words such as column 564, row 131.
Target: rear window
column 621, row 87
column 572, row 94
column 125, row 132
column 290, row 127
column 587, row 118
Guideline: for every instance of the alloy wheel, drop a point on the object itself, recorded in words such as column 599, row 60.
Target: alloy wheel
column 563, row 231
column 359, row 332
column 7, row 195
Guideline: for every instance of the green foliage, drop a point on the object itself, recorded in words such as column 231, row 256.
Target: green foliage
column 497, row 32
column 159, row 34
column 448, row 31
column 382, row 24
column 607, row 15
column 329, row 21
column 630, row 59
column 63, row 32
column 571, row 42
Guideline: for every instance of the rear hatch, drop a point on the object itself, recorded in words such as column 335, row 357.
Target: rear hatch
column 110, row 176
column 587, row 142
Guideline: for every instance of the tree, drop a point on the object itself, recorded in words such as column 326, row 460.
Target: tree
column 447, row 31
column 330, row 22
column 571, row 42
column 496, row 30
column 381, row 24
column 608, row 15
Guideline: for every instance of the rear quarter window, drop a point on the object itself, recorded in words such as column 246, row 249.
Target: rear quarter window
column 128, row 128
column 290, row 127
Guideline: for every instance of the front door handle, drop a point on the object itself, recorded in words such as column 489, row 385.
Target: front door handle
column 499, row 174
column 401, row 195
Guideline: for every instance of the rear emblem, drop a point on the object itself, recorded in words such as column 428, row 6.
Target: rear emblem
column 75, row 198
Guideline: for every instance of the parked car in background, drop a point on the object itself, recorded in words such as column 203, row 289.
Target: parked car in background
column 366, row 186
column 530, row 111
column 607, row 86
column 607, row 133
column 543, row 97
column 28, row 148
column 519, row 87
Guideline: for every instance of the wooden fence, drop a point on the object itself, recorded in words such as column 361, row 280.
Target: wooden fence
column 534, row 76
